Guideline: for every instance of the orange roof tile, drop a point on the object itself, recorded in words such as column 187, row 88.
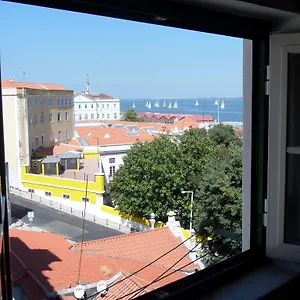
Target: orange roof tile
column 9, row 83
column 144, row 247
column 47, row 264
column 59, row 149
column 111, row 136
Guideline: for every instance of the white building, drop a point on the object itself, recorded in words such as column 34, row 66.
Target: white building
column 89, row 106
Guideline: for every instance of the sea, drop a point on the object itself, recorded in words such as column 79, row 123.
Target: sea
column 232, row 110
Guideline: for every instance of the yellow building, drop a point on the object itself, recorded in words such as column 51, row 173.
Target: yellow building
column 35, row 115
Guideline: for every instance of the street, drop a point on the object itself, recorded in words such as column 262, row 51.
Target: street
column 51, row 220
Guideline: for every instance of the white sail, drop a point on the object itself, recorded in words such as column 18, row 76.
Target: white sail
column 157, row 104
column 149, row 105
column 170, row 105
column 133, row 105
column 216, row 102
column 222, row 105
column 164, row 103
column 175, row 104
column 196, row 103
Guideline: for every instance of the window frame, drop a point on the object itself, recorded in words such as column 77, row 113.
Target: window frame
column 66, row 116
column 58, row 118
column 281, row 46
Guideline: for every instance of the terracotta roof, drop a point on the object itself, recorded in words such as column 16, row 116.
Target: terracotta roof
column 59, row 149
column 160, row 117
column 111, row 136
column 144, row 247
column 94, row 96
column 44, row 262
column 9, row 83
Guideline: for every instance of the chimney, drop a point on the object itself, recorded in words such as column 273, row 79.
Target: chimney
column 152, row 220
column 174, row 225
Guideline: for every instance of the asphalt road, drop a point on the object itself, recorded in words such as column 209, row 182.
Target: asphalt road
column 49, row 219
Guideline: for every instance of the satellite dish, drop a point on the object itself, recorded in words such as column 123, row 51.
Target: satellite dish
column 79, row 291
column 102, row 287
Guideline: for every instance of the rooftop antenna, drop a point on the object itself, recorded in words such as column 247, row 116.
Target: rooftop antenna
column 83, row 227
column 87, row 84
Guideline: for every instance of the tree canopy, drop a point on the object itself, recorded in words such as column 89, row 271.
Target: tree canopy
column 208, row 162
column 131, row 116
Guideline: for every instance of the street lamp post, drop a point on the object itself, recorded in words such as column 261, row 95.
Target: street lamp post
column 191, row 215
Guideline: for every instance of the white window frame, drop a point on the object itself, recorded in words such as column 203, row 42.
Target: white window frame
column 66, row 116
column 50, row 117
column 67, row 133
column 59, row 134
column 50, row 101
column 59, row 119
column 281, row 45
column 42, row 138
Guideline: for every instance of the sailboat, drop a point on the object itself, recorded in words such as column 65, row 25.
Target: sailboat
column 170, row 105
column 133, row 105
column 222, row 105
column 175, row 105
column 196, row 103
column 156, row 104
column 165, row 104
column 149, row 104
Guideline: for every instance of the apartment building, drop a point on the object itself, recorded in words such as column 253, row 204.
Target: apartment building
column 35, row 115
column 89, row 106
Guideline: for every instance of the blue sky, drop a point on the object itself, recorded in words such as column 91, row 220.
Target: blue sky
column 124, row 59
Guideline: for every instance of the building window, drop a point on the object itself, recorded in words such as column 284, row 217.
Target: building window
column 112, row 160
column 102, row 105
column 103, row 117
column 50, row 118
column 67, row 134
column 35, row 119
column 59, row 135
column 66, row 116
column 51, row 136
column 97, row 105
column 115, row 105
column 34, row 101
column 43, row 138
column 50, row 102
column 115, row 115
column 70, row 101
column 48, row 194
column 57, row 102
column 42, row 102
column 36, row 141
column 98, row 116
column 92, row 105
column 84, row 199
column 86, row 116
column 79, row 117
column 31, row 191
column 79, row 106
column 107, row 116
column 85, row 106
column 112, row 171
column 58, row 117
column 42, row 118
column 92, row 116
column 66, row 196
column 35, row 165
column 66, row 101
column 107, row 105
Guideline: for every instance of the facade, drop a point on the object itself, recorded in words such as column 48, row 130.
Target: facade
column 96, row 107
column 35, row 115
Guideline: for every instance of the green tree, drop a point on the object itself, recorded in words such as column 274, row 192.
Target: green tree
column 223, row 134
column 151, row 180
column 218, row 209
column 131, row 116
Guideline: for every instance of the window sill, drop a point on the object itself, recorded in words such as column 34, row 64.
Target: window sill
column 248, row 279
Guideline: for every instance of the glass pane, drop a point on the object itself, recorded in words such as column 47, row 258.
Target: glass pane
column 292, row 203
column 293, row 107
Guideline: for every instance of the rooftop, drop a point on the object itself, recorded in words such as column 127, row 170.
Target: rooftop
column 10, row 83
column 95, row 96
column 43, row 262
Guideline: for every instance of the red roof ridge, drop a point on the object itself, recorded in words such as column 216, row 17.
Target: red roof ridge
column 119, row 236
column 29, row 272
